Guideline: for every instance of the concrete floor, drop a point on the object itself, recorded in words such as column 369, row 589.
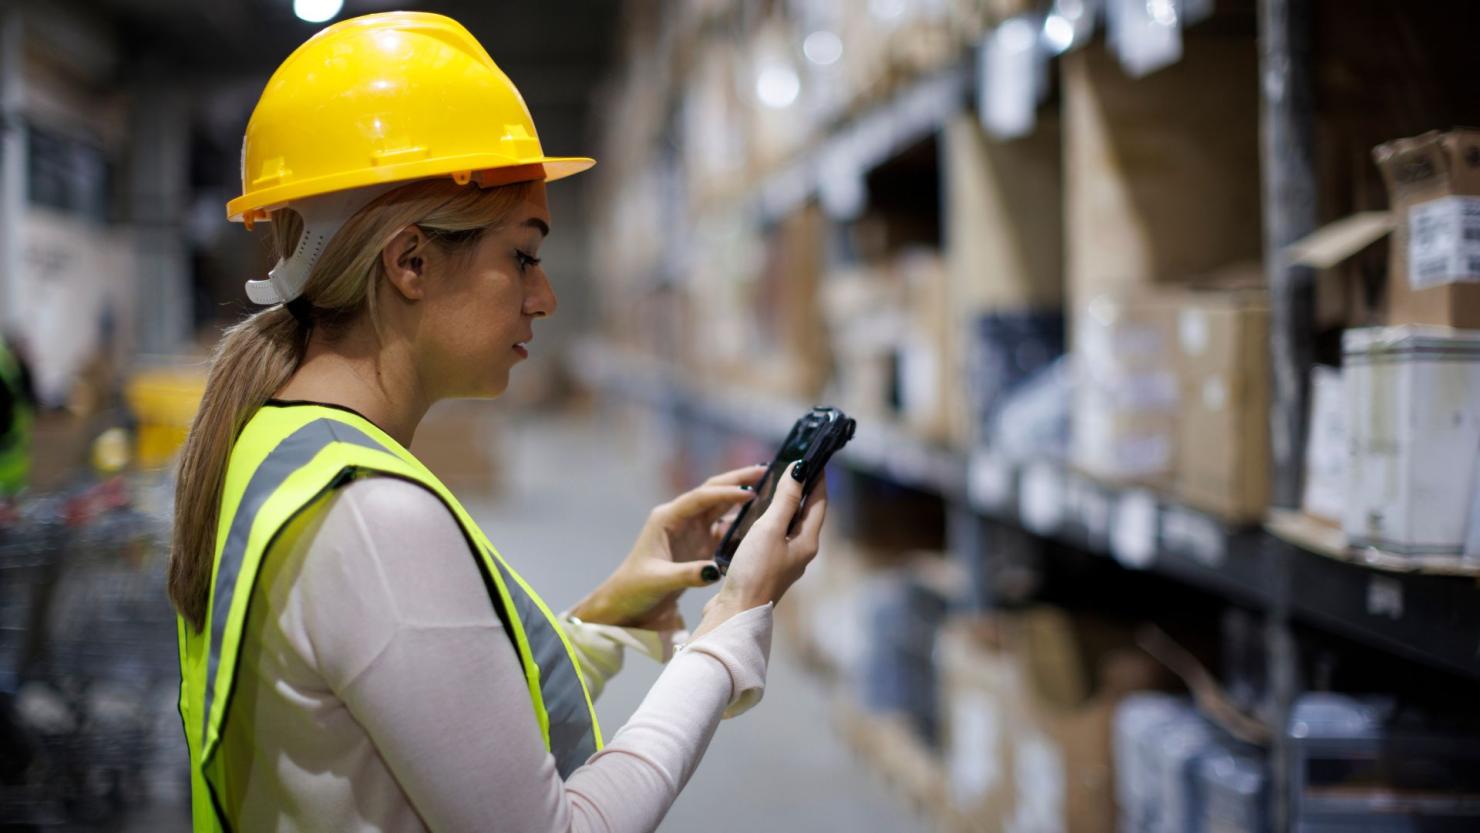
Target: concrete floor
column 577, row 488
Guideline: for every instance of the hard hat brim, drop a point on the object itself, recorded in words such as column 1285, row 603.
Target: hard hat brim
column 258, row 203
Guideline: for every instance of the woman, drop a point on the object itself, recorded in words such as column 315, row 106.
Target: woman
column 355, row 654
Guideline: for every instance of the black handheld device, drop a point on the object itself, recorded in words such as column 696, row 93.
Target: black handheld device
column 813, row 439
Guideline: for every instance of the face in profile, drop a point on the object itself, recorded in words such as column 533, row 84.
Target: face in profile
column 479, row 318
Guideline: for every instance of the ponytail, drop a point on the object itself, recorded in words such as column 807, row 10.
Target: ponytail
column 254, row 358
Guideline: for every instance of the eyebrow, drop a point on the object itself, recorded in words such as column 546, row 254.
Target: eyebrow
column 537, row 223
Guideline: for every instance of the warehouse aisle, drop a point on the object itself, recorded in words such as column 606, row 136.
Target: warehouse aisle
column 578, row 487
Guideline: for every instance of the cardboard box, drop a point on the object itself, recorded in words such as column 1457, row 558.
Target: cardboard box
column 1325, row 447
column 1161, row 172
column 1413, row 410
column 1434, row 188
column 931, row 366
column 1003, row 223
column 1223, row 378
column 1026, row 710
column 1123, row 420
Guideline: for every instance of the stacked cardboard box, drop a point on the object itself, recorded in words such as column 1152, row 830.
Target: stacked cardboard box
column 1162, row 172
column 1161, row 186
column 1027, row 706
column 1222, row 459
column 1434, row 188
column 1125, row 387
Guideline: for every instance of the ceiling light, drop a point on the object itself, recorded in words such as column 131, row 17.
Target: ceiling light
column 317, row 11
column 777, row 86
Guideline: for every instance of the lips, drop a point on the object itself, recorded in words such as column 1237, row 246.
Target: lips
column 522, row 347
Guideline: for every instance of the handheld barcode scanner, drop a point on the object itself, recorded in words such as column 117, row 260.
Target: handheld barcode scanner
column 813, row 439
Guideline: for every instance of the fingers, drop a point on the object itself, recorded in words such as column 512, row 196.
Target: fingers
column 707, row 499
column 785, row 502
column 747, row 476
column 680, row 575
column 809, row 526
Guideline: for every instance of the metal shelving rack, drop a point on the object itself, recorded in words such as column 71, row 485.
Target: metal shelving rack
column 1427, row 619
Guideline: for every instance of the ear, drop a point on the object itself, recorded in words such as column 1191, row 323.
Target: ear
column 404, row 261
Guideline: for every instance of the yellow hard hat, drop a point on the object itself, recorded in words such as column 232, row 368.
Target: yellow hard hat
column 387, row 98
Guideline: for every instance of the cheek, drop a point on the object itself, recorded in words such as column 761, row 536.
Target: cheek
column 485, row 322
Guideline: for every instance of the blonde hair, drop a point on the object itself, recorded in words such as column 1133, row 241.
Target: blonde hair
column 256, row 356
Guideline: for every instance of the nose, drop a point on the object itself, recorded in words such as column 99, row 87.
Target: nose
column 540, row 301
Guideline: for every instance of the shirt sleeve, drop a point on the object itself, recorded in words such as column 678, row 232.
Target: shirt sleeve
column 404, row 633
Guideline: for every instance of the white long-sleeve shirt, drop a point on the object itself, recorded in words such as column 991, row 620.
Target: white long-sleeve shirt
column 378, row 690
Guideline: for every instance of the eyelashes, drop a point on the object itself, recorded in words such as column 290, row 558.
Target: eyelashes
column 525, row 259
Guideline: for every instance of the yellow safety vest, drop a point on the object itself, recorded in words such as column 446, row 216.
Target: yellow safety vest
column 288, row 456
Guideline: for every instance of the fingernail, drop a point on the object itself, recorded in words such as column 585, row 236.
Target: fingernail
column 799, row 471
column 747, row 488
column 709, row 573
column 762, row 465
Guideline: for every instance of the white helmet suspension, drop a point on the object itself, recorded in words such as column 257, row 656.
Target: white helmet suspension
column 323, row 216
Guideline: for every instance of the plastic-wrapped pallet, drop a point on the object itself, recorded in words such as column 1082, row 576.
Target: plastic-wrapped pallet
column 1235, row 788
column 897, row 673
column 1138, row 718
column 1164, row 750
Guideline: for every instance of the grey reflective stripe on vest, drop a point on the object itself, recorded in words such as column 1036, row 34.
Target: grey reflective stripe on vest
column 572, row 739
column 290, row 455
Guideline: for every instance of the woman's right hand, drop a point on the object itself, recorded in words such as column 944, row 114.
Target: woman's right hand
column 767, row 562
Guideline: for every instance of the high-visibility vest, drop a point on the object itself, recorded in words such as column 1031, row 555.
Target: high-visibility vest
column 15, row 444
column 288, row 456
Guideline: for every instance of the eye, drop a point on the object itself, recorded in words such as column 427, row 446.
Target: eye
column 525, row 259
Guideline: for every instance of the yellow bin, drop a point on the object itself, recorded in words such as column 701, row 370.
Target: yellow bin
column 165, row 402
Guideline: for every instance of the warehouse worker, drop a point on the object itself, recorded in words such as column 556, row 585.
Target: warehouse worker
column 17, row 413
column 355, row 653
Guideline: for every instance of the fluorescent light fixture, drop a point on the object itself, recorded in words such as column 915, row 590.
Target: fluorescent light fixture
column 317, row 11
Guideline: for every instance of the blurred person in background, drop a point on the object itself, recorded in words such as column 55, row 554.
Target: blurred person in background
column 17, row 413
column 355, row 654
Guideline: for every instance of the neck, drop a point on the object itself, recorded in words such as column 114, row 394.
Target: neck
column 378, row 381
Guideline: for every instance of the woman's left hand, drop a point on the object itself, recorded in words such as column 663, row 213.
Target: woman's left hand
column 672, row 554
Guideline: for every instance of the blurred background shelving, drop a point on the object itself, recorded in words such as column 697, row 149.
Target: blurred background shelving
column 1069, row 263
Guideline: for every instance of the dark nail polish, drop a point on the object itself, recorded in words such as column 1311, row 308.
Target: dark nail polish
column 799, row 471
column 709, row 573
column 748, row 488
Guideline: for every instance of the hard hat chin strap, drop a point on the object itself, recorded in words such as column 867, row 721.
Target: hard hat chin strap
column 323, row 216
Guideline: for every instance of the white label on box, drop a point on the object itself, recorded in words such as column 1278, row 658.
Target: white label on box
column 1146, row 34
column 1042, row 504
column 1133, row 532
column 1192, row 331
column 1384, row 597
column 1042, row 801
column 975, row 743
column 1007, row 81
column 1195, row 534
column 1094, row 511
column 988, row 481
column 1444, row 241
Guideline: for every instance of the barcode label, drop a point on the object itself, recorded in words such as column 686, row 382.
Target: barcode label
column 1444, row 241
